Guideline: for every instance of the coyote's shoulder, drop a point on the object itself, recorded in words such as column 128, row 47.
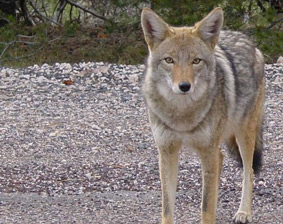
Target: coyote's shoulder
column 242, row 65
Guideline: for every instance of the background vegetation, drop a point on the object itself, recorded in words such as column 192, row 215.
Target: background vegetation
column 49, row 31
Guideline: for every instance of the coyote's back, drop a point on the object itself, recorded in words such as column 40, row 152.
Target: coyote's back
column 203, row 86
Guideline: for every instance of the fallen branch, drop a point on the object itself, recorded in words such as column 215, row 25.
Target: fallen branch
column 25, row 36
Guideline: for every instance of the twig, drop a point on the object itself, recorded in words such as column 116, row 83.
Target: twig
column 273, row 24
column 6, row 48
column 88, row 11
column 25, row 42
column 63, row 4
column 71, row 13
column 44, row 8
column 26, row 13
column 55, row 8
column 14, row 42
column 42, row 16
column 29, row 55
column 56, row 38
column 25, row 56
column 27, row 37
column 6, row 20
column 266, row 55
column 58, row 11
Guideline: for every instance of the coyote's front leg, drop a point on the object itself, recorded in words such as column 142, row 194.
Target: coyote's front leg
column 211, row 160
column 168, row 166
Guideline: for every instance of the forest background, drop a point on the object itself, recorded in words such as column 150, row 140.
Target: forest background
column 50, row 31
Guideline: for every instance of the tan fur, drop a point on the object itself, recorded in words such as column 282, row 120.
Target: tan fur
column 182, row 74
column 206, row 115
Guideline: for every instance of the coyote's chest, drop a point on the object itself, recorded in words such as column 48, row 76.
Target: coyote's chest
column 180, row 114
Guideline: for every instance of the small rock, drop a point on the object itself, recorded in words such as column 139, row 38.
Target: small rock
column 280, row 60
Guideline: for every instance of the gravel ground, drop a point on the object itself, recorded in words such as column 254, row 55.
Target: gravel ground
column 76, row 147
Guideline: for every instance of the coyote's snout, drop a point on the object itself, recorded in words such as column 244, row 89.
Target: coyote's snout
column 203, row 86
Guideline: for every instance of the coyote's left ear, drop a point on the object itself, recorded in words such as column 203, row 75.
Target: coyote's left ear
column 154, row 28
column 208, row 29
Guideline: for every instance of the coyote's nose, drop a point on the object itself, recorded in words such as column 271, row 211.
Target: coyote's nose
column 184, row 86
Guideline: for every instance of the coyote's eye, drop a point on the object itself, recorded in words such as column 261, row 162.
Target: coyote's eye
column 169, row 60
column 196, row 61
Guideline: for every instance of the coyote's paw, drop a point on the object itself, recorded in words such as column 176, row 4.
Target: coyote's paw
column 242, row 217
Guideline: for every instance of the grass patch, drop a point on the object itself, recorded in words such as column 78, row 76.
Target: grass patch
column 22, row 46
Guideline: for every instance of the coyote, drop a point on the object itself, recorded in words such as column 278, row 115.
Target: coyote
column 202, row 87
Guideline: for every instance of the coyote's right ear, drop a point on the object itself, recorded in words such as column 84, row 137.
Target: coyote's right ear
column 208, row 29
column 154, row 28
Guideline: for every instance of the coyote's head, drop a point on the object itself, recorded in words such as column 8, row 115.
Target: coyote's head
column 182, row 57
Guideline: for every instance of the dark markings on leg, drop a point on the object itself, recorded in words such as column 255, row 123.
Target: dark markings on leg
column 205, row 201
column 166, row 205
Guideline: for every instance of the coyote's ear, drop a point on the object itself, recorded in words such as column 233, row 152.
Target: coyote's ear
column 154, row 28
column 208, row 29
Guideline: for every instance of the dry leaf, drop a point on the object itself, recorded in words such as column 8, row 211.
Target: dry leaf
column 102, row 35
column 68, row 82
